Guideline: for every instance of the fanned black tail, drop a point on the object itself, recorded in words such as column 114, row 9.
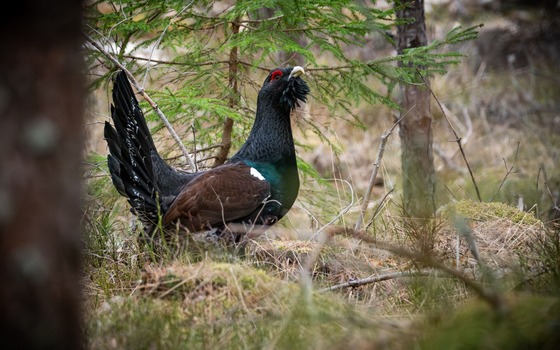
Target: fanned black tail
column 130, row 146
column 137, row 170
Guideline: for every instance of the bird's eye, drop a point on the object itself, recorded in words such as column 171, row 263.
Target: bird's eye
column 277, row 74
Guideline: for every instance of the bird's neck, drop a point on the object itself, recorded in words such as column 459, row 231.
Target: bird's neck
column 270, row 139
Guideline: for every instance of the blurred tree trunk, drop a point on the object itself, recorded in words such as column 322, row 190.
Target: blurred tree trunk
column 416, row 127
column 41, row 102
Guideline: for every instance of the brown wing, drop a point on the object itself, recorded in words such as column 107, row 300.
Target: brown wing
column 220, row 195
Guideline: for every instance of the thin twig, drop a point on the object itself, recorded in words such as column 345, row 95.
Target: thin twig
column 508, row 171
column 204, row 159
column 457, row 138
column 196, row 64
column 376, row 165
column 378, row 278
column 342, row 211
column 198, row 150
column 469, row 130
column 451, row 193
column 379, row 206
column 446, row 160
column 142, row 92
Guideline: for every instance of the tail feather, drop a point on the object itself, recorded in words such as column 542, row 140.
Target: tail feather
column 113, row 158
column 130, row 159
column 115, row 171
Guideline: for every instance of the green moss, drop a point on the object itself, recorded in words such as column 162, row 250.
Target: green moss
column 248, row 282
column 208, row 305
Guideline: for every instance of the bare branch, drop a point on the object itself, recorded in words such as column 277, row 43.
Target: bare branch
column 143, row 93
column 376, row 166
column 160, row 38
column 457, row 138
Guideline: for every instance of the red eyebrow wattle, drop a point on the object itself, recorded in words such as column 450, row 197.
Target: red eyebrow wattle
column 275, row 74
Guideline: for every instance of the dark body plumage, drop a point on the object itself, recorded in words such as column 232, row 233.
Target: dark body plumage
column 257, row 186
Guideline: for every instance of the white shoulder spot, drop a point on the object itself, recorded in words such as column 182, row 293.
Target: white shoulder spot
column 256, row 174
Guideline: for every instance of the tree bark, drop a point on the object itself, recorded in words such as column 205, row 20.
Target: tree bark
column 41, row 102
column 416, row 127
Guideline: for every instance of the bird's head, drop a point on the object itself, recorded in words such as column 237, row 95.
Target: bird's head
column 285, row 86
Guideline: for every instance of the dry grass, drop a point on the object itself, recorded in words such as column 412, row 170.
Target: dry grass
column 501, row 232
column 257, row 301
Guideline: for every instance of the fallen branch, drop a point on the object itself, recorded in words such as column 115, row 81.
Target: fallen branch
column 379, row 278
column 489, row 295
column 143, row 93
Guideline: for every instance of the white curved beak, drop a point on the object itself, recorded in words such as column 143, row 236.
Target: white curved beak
column 296, row 72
